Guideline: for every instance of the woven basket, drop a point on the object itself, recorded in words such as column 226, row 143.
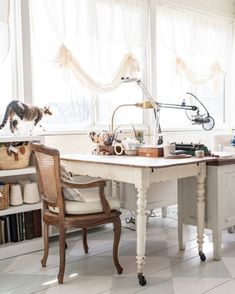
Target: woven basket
column 4, row 196
column 14, row 161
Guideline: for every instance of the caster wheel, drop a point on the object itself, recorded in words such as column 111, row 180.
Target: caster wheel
column 202, row 256
column 231, row 230
column 142, row 280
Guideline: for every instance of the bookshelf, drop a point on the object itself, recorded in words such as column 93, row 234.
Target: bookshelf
column 11, row 249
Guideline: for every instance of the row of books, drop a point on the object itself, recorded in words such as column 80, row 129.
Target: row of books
column 20, row 226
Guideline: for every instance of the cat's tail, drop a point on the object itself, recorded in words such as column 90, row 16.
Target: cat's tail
column 6, row 116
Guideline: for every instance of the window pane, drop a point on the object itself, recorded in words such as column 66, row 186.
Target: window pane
column 128, row 93
column 6, row 82
column 5, row 57
column 193, row 55
column 69, row 101
column 5, row 89
column 95, row 32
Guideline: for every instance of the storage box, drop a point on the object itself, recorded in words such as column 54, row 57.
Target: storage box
column 150, row 151
column 4, row 196
column 14, row 160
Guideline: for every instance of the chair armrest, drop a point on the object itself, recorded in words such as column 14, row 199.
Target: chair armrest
column 76, row 185
column 98, row 183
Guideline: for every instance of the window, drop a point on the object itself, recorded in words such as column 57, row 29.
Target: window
column 11, row 69
column 193, row 53
column 5, row 58
column 6, row 82
column 99, row 34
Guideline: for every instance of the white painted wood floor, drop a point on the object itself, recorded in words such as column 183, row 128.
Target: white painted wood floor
column 167, row 270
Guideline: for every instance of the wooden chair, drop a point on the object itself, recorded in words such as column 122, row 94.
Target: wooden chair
column 66, row 214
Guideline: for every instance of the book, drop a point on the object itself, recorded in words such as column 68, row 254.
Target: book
column 2, row 223
column 13, row 228
column 0, row 233
column 8, row 233
column 5, row 235
column 37, row 223
column 20, row 217
column 28, row 224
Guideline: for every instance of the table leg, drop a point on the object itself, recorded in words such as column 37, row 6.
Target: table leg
column 141, row 233
column 216, row 233
column 115, row 189
column 164, row 212
column 201, row 209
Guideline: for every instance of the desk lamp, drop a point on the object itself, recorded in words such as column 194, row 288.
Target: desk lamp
column 143, row 105
column 205, row 120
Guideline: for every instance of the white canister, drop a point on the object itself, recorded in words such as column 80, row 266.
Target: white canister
column 169, row 149
column 31, row 194
column 22, row 184
column 15, row 195
column 199, row 153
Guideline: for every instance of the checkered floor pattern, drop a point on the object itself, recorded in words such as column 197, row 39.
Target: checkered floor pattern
column 167, row 269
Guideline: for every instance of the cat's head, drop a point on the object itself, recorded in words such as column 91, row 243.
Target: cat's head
column 46, row 110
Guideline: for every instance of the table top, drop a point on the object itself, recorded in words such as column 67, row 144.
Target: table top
column 223, row 161
column 134, row 161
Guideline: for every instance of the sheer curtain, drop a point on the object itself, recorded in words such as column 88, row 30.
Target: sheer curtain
column 5, row 58
column 98, row 35
column 193, row 55
column 4, row 29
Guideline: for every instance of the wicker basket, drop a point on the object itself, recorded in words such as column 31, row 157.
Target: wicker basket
column 4, row 196
column 15, row 160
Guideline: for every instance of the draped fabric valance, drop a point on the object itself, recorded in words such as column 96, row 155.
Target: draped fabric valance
column 106, row 38
column 4, row 29
column 129, row 67
column 195, row 44
column 198, row 78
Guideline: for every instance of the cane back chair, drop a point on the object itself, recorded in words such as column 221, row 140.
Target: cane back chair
column 65, row 214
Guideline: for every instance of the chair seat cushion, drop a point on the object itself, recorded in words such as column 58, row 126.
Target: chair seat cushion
column 91, row 204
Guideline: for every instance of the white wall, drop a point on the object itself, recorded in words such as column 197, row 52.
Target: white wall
column 74, row 143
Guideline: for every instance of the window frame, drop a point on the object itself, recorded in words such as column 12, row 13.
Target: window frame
column 229, row 122
column 22, row 75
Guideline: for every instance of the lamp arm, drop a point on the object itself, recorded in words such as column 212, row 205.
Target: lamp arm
column 157, row 105
column 115, row 110
column 147, row 94
column 178, row 106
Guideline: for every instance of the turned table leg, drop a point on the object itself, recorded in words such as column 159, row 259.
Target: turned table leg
column 141, row 233
column 201, row 209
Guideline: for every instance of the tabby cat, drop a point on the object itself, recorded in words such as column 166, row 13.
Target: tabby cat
column 24, row 112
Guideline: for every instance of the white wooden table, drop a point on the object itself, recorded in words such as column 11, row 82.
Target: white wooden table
column 220, row 202
column 142, row 171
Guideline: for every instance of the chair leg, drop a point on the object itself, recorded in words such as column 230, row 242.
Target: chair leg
column 62, row 255
column 46, row 245
column 117, row 235
column 84, row 240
